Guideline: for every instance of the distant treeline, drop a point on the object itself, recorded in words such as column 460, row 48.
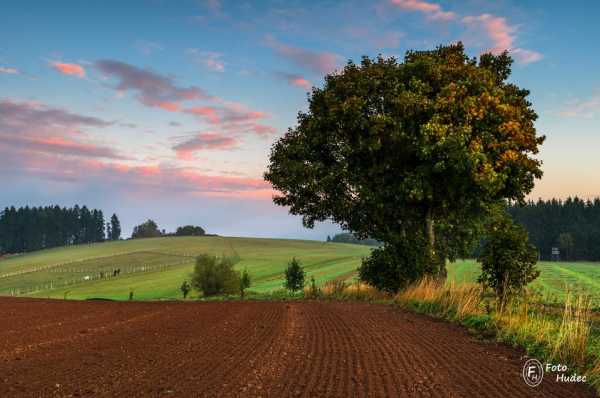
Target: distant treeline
column 572, row 225
column 36, row 228
column 346, row 237
column 190, row 230
column 150, row 229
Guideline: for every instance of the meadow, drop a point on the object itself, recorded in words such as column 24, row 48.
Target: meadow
column 555, row 279
column 139, row 261
column 155, row 268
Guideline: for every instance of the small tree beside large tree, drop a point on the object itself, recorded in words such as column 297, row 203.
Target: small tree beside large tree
column 417, row 152
column 508, row 261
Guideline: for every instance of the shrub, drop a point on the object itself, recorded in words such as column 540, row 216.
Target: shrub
column 397, row 265
column 185, row 288
column 245, row 281
column 215, row 276
column 508, row 259
column 294, row 276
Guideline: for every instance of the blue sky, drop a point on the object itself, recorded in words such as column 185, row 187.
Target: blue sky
column 167, row 109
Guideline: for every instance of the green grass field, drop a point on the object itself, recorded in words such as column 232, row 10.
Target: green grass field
column 154, row 275
column 264, row 258
column 555, row 277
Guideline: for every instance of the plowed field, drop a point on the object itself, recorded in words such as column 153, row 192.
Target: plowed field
column 231, row 348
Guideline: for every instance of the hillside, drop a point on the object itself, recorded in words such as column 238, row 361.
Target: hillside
column 154, row 268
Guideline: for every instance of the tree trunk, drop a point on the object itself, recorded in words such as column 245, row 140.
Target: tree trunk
column 430, row 234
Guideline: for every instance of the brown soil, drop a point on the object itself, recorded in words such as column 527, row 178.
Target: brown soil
column 250, row 349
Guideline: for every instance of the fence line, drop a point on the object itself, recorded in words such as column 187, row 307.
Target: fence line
column 89, row 278
column 50, row 268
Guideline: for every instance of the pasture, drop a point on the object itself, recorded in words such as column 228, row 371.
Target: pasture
column 555, row 278
column 155, row 268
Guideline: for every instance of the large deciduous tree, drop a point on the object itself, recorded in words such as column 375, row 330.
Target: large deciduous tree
column 392, row 150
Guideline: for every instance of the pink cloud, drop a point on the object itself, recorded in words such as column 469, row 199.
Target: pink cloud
column 293, row 79
column 501, row 35
column 585, row 109
column 300, row 81
column 4, row 70
column 140, row 180
column 496, row 29
column 58, row 145
column 217, row 115
column 260, row 130
column 169, row 106
column 46, row 143
column 39, row 128
column 432, row 11
column 207, row 113
column 526, row 56
column 160, row 91
column 36, row 118
column 498, row 34
column 68, row 69
column 318, row 62
column 152, row 89
column 209, row 59
column 203, row 141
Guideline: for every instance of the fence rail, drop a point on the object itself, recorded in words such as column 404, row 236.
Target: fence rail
column 95, row 277
column 52, row 267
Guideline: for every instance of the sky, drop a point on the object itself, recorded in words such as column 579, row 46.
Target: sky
column 168, row 109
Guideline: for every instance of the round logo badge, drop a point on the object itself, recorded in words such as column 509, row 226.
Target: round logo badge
column 533, row 373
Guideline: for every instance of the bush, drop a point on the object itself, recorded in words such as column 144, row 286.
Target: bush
column 508, row 259
column 185, row 288
column 294, row 276
column 245, row 281
column 397, row 265
column 215, row 276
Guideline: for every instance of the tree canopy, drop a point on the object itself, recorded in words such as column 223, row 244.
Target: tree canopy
column 508, row 261
column 392, row 149
column 190, row 230
column 149, row 229
column 215, row 276
column 115, row 228
column 294, row 276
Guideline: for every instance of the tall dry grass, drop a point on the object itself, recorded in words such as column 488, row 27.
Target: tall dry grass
column 342, row 290
column 455, row 300
column 559, row 335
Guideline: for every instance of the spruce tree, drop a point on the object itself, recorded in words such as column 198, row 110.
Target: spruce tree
column 115, row 226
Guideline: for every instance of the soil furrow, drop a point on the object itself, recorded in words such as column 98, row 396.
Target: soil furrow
column 61, row 348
